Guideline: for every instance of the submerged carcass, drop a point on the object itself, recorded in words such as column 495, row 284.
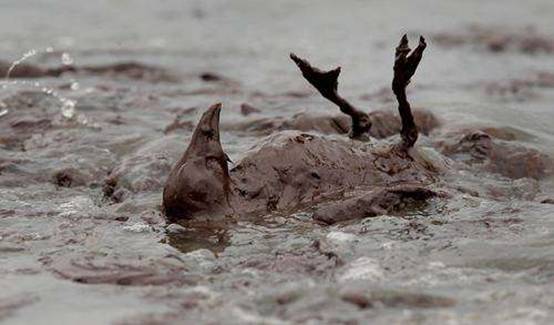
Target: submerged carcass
column 293, row 170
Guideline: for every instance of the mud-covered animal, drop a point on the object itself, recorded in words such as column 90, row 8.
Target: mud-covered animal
column 293, row 170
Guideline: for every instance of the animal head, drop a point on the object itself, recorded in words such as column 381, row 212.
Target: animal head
column 200, row 181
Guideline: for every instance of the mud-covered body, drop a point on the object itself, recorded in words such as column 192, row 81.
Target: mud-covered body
column 292, row 168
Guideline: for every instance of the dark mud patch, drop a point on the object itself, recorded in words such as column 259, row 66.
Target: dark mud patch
column 520, row 89
column 498, row 40
column 368, row 298
column 398, row 200
column 128, row 70
column 486, row 149
column 247, row 109
column 179, row 124
column 120, row 272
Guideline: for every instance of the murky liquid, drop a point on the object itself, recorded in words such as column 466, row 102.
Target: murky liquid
column 69, row 254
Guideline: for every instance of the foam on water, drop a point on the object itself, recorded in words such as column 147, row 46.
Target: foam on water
column 138, row 228
column 363, row 268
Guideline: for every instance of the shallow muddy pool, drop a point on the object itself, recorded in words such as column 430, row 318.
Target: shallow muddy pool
column 84, row 154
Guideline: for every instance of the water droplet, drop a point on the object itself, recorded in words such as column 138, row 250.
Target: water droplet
column 74, row 85
column 68, row 106
column 68, row 109
column 47, row 91
column 25, row 56
column 67, row 59
column 29, row 54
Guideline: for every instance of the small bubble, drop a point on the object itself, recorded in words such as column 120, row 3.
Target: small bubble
column 68, row 109
column 47, row 91
column 23, row 58
column 74, row 85
column 29, row 54
column 49, row 49
column 67, row 59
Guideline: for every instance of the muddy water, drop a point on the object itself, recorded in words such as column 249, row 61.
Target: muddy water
column 74, row 249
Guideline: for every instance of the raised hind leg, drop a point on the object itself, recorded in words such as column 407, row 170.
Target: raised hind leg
column 405, row 65
column 326, row 82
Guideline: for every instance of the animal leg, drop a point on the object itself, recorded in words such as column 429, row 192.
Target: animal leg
column 326, row 82
column 405, row 65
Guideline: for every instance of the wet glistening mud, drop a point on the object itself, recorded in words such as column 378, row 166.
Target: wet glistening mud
column 300, row 201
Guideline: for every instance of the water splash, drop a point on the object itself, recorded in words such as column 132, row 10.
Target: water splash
column 15, row 63
column 25, row 56
column 67, row 105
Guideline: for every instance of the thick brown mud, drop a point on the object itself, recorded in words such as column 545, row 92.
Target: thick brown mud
column 82, row 235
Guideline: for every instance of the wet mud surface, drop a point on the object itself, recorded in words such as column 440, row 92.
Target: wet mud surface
column 85, row 154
